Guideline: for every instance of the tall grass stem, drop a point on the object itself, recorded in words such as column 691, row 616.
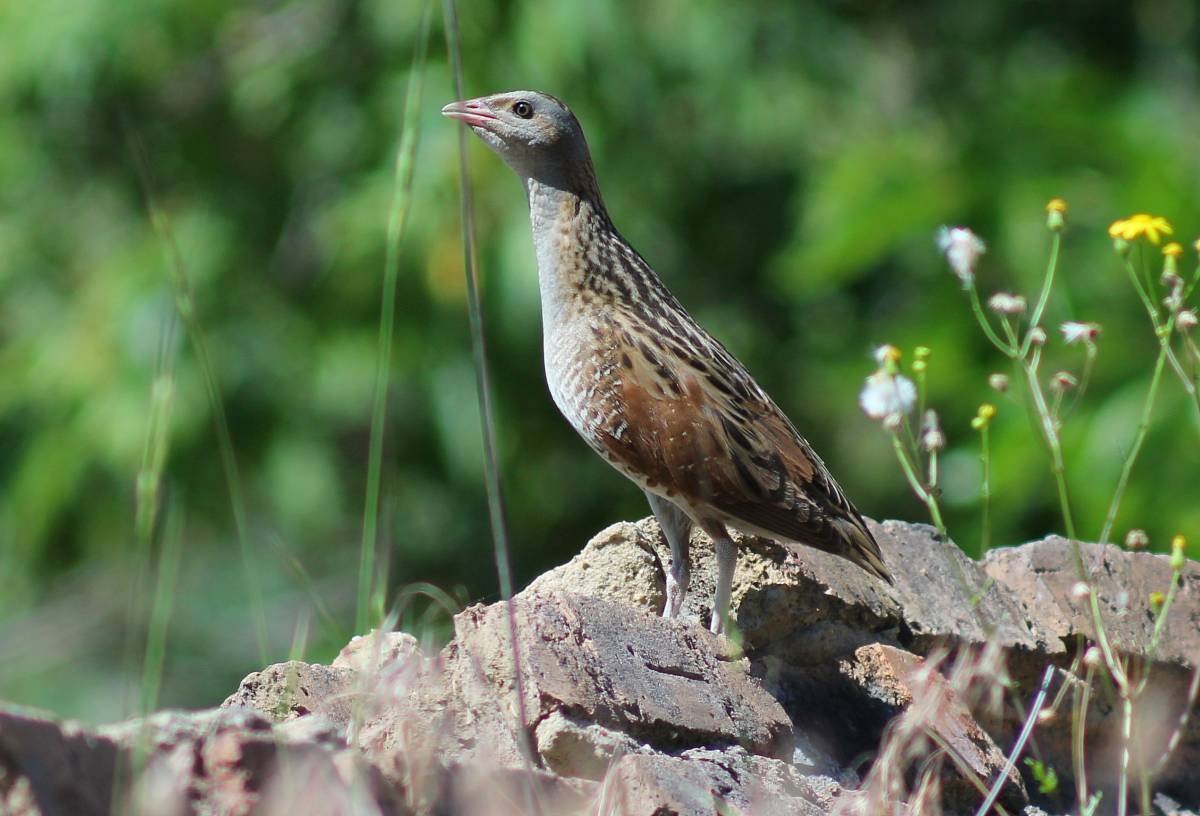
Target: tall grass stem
column 370, row 590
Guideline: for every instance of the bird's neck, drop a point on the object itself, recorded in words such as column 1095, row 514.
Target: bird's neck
column 570, row 229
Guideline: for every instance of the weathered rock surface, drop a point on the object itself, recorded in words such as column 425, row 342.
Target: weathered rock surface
column 835, row 694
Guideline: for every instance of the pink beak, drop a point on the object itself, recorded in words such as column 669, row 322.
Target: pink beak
column 473, row 111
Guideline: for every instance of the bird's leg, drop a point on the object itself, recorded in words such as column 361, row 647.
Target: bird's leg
column 676, row 526
column 726, row 553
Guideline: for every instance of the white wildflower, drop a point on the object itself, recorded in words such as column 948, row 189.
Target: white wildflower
column 962, row 249
column 1085, row 333
column 887, row 395
column 1005, row 304
column 1185, row 321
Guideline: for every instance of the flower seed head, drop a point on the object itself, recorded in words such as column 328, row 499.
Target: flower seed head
column 1093, row 658
column 962, row 249
column 1005, row 304
column 998, row 382
column 1080, row 591
column 1157, row 599
column 932, row 438
column 922, row 352
column 1063, row 381
column 1185, row 321
column 1047, row 716
column 1037, row 336
column 887, row 354
column 1136, row 540
column 1085, row 333
column 1178, row 553
column 1056, row 212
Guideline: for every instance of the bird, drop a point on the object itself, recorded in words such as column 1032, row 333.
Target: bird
column 648, row 389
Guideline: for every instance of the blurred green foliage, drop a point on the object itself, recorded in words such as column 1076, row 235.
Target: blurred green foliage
column 784, row 166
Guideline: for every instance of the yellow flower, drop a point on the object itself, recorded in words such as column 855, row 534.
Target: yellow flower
column 1172, row 250
column 1056, row 205
column 1152, row 226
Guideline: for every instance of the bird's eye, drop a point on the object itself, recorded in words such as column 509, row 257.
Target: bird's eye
column 523, row 109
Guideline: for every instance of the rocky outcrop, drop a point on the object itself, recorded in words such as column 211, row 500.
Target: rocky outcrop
column 835, row 694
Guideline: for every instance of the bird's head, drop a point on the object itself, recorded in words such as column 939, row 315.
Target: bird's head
column 533, row 132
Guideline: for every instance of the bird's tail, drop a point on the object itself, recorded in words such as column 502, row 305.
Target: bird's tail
column 862, row 548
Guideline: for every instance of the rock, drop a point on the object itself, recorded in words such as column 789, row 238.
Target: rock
column 222, row 761
column 805, row 606
column 377, row 651
column 621, row 562
column 704, row 782
column 50, row 768
column 578, row 697
column 579, row 749
column 285, row 691
column 1042, row 573
column 663, row 682
column 935, row 707
column 606, row 669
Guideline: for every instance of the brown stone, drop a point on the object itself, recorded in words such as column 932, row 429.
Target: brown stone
column 908, row 684
column 1041, row 575
column 285, row 691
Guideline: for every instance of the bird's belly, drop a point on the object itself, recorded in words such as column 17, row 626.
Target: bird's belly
column 585, row 386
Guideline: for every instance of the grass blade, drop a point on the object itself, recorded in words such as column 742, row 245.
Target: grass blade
column 370, row 591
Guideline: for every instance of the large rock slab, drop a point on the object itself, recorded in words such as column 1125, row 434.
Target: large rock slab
column 705, row 782
column 925, row 708
column 585, row 679
column 1041, row 574
column 48, row 767
column 835, row 693
column 808, row 607
column 222, row 761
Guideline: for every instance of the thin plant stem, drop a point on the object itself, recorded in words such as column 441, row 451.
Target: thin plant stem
column 1126, row 736
column 1142, row 292
column 1135, row 449
column 985, row 324
column 914, row 481
column 986, row 491
column 371, row 591
column 1050, row 436
column 1078, row 731
column 185, row 304
column 1035, row 319
column 1010, row 763
column 160, row 611
column 496, row 509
